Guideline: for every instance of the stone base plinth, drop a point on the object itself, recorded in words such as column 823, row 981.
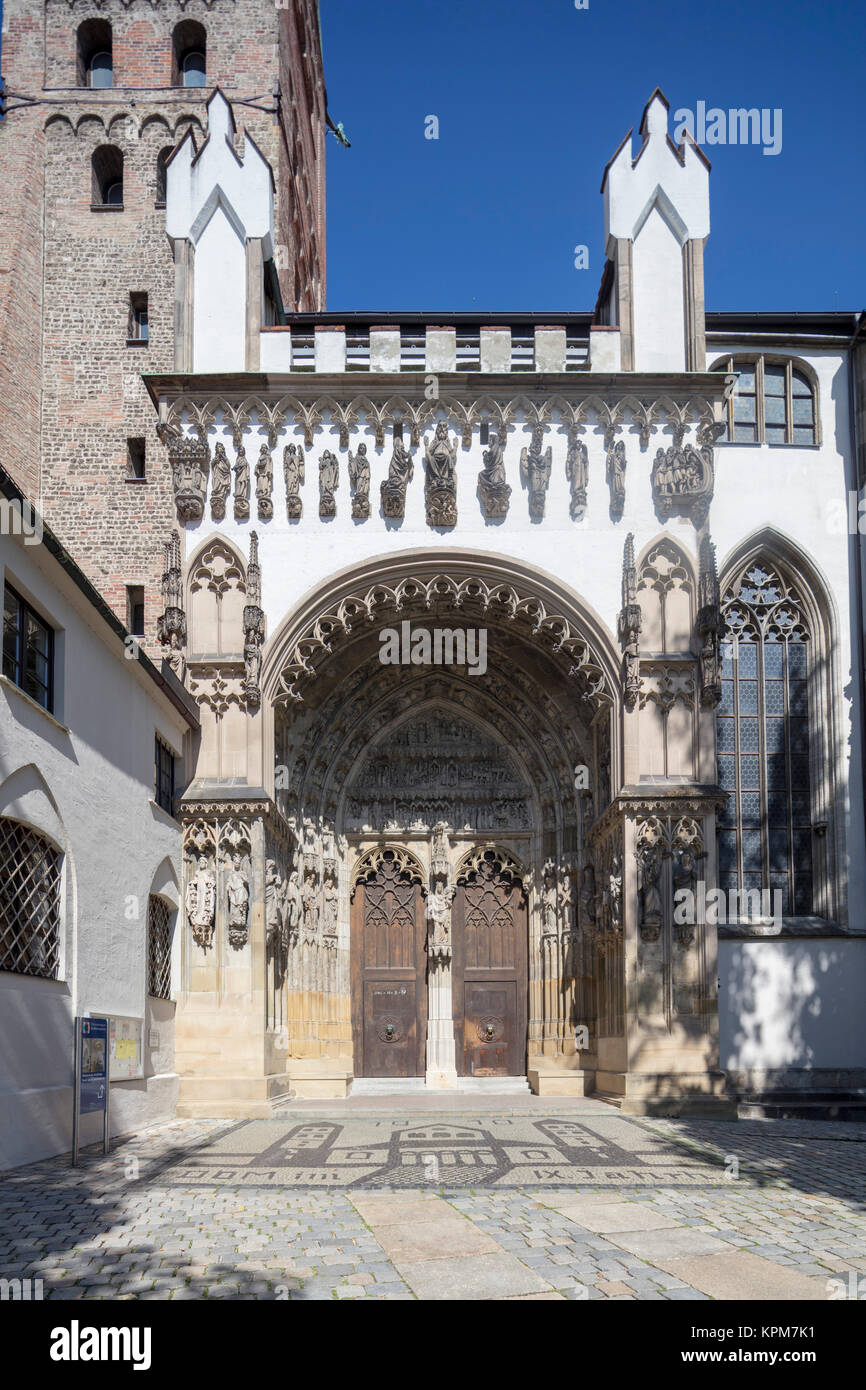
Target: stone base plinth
column 642, row 1093
column 231, row 1097
column 442, row 1081
column 558, row 1081
column 319, row 1078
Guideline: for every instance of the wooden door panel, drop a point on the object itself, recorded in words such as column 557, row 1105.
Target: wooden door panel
column 489, row 919
column 389, row 988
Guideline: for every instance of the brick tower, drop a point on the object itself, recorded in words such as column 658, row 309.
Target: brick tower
column 87, row 276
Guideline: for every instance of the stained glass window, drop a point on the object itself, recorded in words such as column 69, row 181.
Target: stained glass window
column 765, row 842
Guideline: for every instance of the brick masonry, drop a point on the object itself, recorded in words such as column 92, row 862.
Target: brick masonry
column 71, row 392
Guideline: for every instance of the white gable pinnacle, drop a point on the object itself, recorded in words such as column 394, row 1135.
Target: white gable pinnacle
column 197, row 182
column 674, row 180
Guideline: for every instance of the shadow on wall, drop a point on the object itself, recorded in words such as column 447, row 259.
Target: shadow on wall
column 791, row 1004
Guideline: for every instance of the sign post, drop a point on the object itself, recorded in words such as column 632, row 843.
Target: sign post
column 91, row 1087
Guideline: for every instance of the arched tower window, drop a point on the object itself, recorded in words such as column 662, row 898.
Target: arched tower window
column 189, row 54
column 162, row 174
column 768, row 676
column 107, row 177
column 95, row 62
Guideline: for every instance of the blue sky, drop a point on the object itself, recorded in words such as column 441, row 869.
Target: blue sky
column 533, row 97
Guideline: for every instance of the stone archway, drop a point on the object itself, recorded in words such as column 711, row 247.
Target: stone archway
column 372, row 753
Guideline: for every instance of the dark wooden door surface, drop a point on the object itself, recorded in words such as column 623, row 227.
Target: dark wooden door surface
column 489, row 926
column 389, row 986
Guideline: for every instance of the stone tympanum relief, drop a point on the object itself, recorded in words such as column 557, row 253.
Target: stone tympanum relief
column 438, row 767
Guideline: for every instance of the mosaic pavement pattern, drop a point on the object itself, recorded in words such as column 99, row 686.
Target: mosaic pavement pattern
column 456, row 1151
column 665, row 1210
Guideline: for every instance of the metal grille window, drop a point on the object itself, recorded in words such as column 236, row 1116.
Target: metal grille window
column 163, row 777
column 773, row 402
column 29, row 902
column 159, row 948
column 28, row 649
column 765, row 842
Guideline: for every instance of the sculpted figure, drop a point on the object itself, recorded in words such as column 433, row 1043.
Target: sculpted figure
column 535, row 467
column 329, row 479
column 548, row 903
column 399, row 476
column 201, row 903
column 330, row 907
column 264, row 483
column 242, row 485
column 291, row 907
column 310, row 906
column 649, row 871
column 221, row 482
column 359, row 477
column 494, row 490
column 439, row 916
column 577, row 473
column 440, row 484
column 615, row 470
column 237, row 899
column 293, row 472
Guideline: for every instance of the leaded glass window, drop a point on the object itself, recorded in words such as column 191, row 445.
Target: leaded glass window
column 159, row 914
column 765, row 843
column 773, row 402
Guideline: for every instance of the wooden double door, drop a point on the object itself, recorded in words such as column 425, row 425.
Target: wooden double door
column 488, row 974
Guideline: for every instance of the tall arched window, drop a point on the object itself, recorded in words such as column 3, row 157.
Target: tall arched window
column 29, row 901
column 106, row 177
column 765, row 843
column 189, row 54
column 94, row 54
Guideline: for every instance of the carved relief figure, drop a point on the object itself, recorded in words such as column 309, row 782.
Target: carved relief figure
column 549, row 901
column 292, row 910
column 264, row 483
column 615, row 474
column 330, row 907
column 588, row 897
column 440, row 485
column 494, row 490
column 359, row 477
column 683, row 476
column 577, row 473
column 685, row 879
column 535, row 467
column 273, row 904
column 242, row 484
column 329, row 479
column 293, row 472
column 439, row 916
column 310, row 905
column 237, row 901
column 399, row 476
column 221, row 482
column 649, row 866
column 201, row 903
column 189, row 461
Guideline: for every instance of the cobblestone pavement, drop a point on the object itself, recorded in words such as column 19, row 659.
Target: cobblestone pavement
column 756, row 1209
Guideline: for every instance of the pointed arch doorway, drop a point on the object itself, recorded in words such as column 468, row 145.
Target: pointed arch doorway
column 489, row 980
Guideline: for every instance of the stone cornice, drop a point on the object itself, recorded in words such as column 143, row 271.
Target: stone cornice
column 684, row 799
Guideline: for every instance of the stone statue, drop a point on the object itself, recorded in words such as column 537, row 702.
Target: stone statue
column 683, row 476
column 439, row 916
column 264, row 483
column 588, row 897
column 201, row 903
column 330, row 908
column 649, row 866
column 273, row 904
column 242, row 485
column 399, row 476
column 238, row 900
column 293, row 472
column 359, row 477
column 685, row 879
column 310, row 905
column 292, row 910
column 221, row 482
column 329, row 480
column 440, row 850
column 440, row 483
column 535, row 469
column 615, row 474
column 548, row 902
column 577, row 473
column 494, row 490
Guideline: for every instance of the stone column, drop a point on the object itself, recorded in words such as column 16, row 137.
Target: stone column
column 441, row 1059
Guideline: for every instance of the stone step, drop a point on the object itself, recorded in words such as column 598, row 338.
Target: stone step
column 414, row 1085
column 809, row 1105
